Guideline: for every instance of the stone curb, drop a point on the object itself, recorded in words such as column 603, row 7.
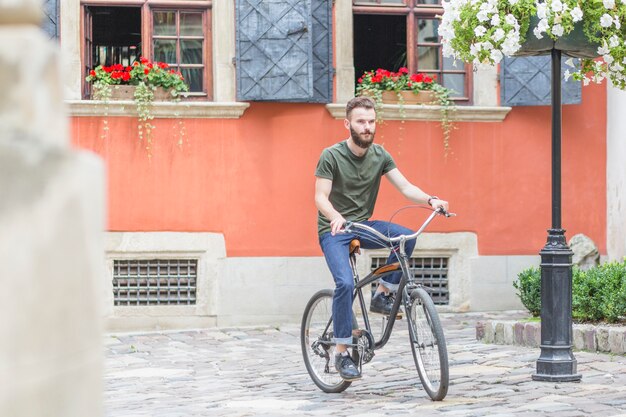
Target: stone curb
column 609, row 339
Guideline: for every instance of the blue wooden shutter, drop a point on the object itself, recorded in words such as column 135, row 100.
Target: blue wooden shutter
column 50, row 23
column 284, row 50
column 322, row 52
column 526, row 81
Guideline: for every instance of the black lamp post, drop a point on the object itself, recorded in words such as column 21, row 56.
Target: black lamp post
column 556, row 362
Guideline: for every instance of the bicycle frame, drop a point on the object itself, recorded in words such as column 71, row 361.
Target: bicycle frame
column 405, row 280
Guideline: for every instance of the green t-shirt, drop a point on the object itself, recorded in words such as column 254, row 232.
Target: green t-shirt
column 356, row 181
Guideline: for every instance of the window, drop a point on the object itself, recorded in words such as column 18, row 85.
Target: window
column 178, row 36
column 384, row 28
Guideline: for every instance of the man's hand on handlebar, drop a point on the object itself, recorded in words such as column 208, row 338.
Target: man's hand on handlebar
column 336, row 225
column 437, row 203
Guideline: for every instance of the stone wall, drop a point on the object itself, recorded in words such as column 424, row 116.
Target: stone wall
column 594, row 338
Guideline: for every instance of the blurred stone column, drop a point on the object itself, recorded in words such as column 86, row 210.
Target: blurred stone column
column 51, row 226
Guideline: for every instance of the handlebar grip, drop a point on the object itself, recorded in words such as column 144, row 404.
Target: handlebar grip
column 443, row 212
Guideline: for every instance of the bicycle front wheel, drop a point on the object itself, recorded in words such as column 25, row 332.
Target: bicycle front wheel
column 428, row 345
column 316, row 336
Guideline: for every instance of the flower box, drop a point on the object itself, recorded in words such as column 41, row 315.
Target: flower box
column 409, row 97
column 127, row 92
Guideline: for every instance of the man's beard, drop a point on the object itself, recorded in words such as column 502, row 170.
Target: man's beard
column 361, row 143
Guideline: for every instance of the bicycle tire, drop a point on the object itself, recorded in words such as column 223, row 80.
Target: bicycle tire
column 317, row 315
column 428, row 345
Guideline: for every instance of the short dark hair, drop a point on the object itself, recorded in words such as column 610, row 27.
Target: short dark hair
column 363, row 102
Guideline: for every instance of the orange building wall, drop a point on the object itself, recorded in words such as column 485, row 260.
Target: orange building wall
column 252, row 178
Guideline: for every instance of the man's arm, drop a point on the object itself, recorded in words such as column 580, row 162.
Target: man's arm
column 413, row 192
column 323, row 186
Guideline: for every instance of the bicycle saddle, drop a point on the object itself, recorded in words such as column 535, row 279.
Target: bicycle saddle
column 355, row 246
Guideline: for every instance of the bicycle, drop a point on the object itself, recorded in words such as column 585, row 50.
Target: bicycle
column 425, row 331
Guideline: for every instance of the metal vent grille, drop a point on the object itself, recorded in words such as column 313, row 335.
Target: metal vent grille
column 154, row 282
column 431, row 273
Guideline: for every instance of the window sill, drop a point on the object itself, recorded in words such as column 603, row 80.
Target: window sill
column 423, row 112
column 160, row 109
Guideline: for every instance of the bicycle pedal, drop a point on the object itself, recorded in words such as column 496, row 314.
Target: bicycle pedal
column 386, row 316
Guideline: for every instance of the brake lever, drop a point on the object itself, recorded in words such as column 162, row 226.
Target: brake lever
column 443, row 212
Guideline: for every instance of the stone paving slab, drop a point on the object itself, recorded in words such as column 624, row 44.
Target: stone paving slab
column 259, row 372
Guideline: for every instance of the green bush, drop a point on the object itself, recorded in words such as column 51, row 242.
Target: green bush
column 528, row 286
column 598, row 294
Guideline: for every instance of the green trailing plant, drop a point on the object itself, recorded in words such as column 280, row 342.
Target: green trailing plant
column 598, row 294
column 146, row 77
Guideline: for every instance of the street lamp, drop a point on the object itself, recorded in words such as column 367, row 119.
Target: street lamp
column 556, row 361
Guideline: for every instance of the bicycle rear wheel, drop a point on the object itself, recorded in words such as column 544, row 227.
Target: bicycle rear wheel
column 428, row 345
column 316, row 334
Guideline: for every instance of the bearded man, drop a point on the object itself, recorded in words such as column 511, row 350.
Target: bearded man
column 348, row 177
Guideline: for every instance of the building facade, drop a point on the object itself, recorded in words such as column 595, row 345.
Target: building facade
column 215, row 223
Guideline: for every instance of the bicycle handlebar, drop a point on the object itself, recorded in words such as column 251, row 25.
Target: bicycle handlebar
column 439, row 211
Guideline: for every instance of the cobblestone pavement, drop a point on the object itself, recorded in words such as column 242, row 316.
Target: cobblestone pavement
column 259, row 372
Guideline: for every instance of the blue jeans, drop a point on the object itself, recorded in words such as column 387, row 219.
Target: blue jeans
column 336, row 251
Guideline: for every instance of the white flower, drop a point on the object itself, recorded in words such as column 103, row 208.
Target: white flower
column 608, row 59
column 557, row 6
column 537, row 33
column 543, row 25
column 570, row 62
column 542, row 10
column 480, row 31
column 617, row 23
column 608, row 4
column 496, row 56
column 482, row 16
column 498, row 34
column 511, row 20
column 495, row 20
column 603, row 50
column 557, row 30
column 577, row 14
column 614, row 41
column 606, row 20
column 567, row 75
column 510, row 45
column 514, row 2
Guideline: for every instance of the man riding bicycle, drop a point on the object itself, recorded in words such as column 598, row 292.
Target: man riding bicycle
column 347, row 182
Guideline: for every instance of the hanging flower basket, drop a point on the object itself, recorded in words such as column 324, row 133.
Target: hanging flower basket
column 485, row 31
column 574, row 44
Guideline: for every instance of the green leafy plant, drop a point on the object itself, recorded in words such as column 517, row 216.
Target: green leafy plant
column 146, row 77
column 528, row 286
column 374, row 83
column 484, row 31
column 598, row 294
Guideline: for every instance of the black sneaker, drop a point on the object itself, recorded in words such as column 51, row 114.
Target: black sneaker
column 346, row 368
column 381, row 303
